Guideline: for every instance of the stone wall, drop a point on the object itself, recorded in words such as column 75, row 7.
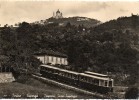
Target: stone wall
column 6, row 77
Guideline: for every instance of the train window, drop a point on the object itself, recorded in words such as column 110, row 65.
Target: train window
column 73, row 76
column 86, row 79
column 81, row 78
column 89, row 80
column 50, row 71
column 97, row 82
column 101, row 82
column 65, row 74
column 62, row 73
column 92, row 80
column 56, row 71
column 69, row 75
column 43, row 68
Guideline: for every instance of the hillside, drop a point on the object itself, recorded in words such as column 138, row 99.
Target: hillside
column 109, row 47
column 87, row 22
column 131, row 22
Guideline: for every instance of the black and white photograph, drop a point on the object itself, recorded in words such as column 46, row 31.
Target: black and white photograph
column 75, row 49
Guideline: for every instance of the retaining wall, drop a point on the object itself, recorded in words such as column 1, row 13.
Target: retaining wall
column 6, row 77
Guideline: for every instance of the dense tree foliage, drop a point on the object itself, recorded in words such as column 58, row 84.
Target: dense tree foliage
column 132, row 93
column 110, row 47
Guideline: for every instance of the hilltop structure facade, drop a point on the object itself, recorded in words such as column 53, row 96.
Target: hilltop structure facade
column 52, row 58
column 57, row 15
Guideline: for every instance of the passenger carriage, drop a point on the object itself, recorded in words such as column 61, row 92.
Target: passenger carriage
column 95, row 74
column 68, row 77
column 49, row 71
column 95, row 83
column 58, row 74
column 89, row 80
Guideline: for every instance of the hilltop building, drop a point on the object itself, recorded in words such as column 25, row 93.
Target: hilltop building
column 52, row 58
column 57, row 15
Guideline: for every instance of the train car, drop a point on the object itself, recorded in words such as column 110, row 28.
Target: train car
column 58, row 74
column 95, row 83
column 49, row 71
column 68, row 77
column 96, row 74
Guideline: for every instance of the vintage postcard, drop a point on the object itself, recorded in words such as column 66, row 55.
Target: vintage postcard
column 78, row 49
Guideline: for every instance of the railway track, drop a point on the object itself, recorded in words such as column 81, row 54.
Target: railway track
column 97, row 95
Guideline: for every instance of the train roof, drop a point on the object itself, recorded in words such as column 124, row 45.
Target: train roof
column 96, row 77
column 48, row 66
column 97, row 74
column 82, row 74
column 69, row 71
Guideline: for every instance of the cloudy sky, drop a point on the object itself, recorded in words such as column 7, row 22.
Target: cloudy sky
column 12, row 12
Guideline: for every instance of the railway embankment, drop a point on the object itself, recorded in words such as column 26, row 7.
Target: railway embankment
column 6, row 77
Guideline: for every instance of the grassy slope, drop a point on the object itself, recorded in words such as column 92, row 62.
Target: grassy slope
column 73, row 21
column 33, row 86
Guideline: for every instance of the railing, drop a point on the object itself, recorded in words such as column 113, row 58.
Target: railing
column 5, row 69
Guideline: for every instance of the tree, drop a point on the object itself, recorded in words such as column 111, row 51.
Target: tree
column 132, row 93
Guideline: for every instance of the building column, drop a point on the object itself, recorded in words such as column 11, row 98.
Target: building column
column 112, row 83
column 0, row 68
column 99, row 82
column 44, row 59
column 107, row 83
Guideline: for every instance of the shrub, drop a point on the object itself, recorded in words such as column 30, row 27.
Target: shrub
column 132, row 93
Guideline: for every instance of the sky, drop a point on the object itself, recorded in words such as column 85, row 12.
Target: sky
column 12, row 12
